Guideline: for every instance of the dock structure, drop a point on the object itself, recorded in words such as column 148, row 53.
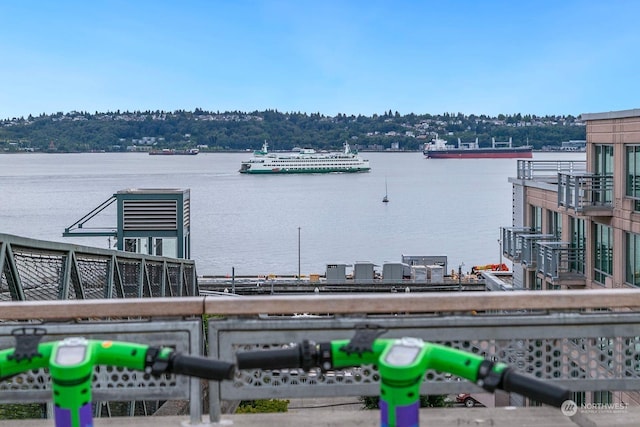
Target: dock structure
column 152, row 221
column 268, row 285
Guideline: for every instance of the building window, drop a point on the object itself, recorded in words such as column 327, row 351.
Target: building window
column 537, row 284
column 536, row 219
column 603, row 253
column 138, row 245
column 554, row 224
column 604, row 397
column 632, row 268
column 605, row 345
column 578, row 397
column 633, row 174
column 632, row 353
column 603, row 167
column 578, row 245
column 131, row 245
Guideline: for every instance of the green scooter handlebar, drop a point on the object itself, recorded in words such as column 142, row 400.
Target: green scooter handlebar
column 402, row 364
column 72, row 360
column 460, row 363
column 334, row 355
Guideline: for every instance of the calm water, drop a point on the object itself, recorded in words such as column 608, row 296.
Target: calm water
column 437, row 207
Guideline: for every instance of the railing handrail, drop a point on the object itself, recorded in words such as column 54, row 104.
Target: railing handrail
column 538, row 169
column 585, row 191
column 59, row 247
column 41, row 270
column 334, row 304
column 584, row 176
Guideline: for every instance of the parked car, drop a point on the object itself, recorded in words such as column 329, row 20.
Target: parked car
column 466, row 398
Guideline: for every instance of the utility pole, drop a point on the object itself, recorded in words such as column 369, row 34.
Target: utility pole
column 298, row 254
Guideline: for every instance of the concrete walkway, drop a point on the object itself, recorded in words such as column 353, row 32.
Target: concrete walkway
column 437, row 417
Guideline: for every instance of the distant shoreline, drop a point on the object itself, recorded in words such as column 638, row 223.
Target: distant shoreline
column 240, row 152
column 201, row 152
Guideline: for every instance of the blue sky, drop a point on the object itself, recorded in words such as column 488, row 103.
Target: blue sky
column 329, row 56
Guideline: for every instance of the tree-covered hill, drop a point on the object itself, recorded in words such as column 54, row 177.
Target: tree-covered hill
column 217, row 131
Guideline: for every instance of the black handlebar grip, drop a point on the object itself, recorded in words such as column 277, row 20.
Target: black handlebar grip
column 270, row 359
column 202, row 367
column 534, row 388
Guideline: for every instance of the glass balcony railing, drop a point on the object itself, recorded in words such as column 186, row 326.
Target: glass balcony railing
column 584, row 192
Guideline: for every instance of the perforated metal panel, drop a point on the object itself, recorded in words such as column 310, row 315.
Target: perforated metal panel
column 586, row 352
column 109, row 383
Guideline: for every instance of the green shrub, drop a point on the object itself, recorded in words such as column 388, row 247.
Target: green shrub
column 262, row 406
column 430, row 401
column 21, row 411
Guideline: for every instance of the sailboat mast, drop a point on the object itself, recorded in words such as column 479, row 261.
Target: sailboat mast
column 385, row 199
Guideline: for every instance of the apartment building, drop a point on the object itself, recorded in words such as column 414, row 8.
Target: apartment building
column 576, row 224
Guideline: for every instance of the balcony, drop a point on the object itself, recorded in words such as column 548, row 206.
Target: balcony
column 547, row 171
column 586, row 194
column 529, row 244
column 511, row 244
column 519, row 245
column 557, row 264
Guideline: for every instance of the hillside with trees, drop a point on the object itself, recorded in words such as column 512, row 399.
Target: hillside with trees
column 234, row 131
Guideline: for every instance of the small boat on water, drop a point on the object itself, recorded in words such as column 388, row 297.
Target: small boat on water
column 174, row 152
column 304, row 161
column 385, row 199
column 439, row 149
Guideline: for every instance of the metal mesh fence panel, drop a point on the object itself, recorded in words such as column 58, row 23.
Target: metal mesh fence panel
column 585, row 352
column 93, row 275
column 6, row 280
column 36, row 270
column 40, row 273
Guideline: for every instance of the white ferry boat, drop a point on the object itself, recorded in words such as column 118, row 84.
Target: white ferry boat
column 305, row 161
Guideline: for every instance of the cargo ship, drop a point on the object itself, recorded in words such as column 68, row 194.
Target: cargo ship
column 306, row 160
column 439, row 149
